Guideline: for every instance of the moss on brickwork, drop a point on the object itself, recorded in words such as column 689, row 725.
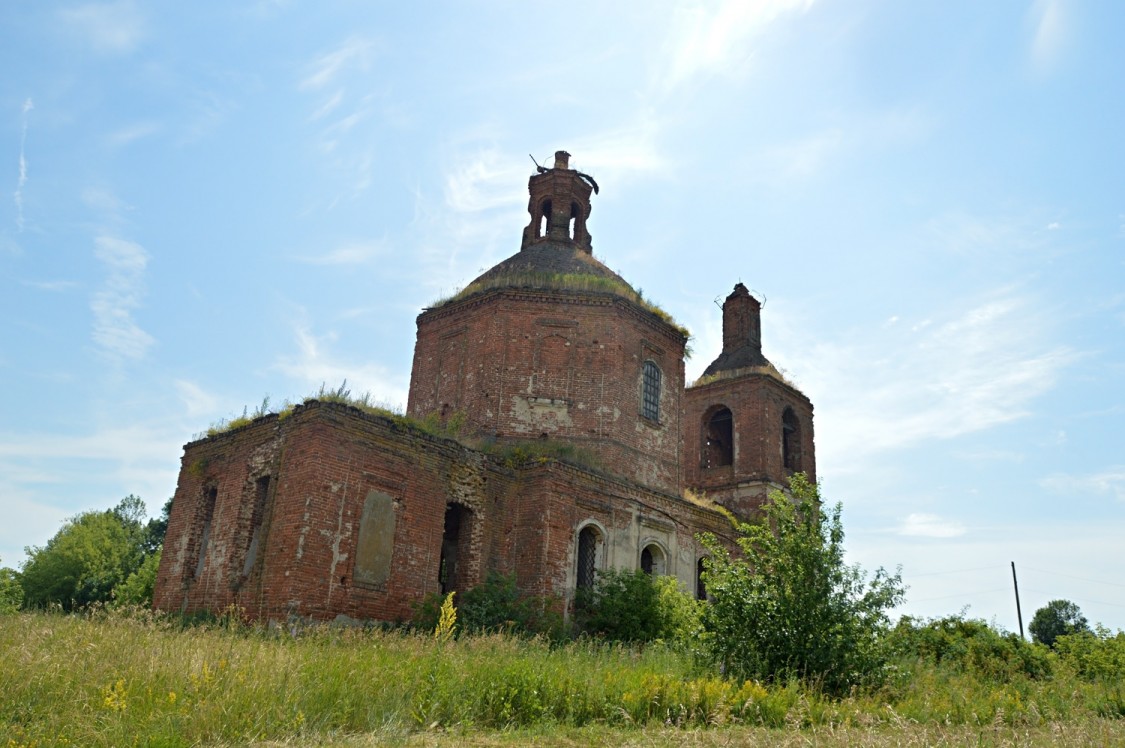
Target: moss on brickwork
column 542, row 281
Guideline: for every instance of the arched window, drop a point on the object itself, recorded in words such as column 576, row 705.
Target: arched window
column 574, row 210
column 544, row 218
column 718, row 439
column 700, row 588
column 790, row 440
column 650, row 391
column 588, row 541
column 652, row 559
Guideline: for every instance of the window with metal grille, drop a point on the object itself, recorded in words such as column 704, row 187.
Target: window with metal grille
column 587, row 557
column 650, row 392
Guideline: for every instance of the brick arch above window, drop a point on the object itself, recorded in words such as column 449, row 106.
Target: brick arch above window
column 717, row 428
column 589, row 553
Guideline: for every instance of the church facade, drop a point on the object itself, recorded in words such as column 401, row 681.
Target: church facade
column 579, row 448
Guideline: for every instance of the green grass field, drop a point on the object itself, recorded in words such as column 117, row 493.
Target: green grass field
column 115, row 679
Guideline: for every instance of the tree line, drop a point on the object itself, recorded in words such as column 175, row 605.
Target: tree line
column 106, row 557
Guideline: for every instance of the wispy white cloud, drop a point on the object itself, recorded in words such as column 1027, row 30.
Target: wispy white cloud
column 104, row 201
column 314, row 364
column 889, row 388
column 197, row 401
column 484, row 181
column 109, row 28
column 1050, row 32
column 930, row 526
column 133, row 132
column 354, row 52
column 343, row 142
column 54, row 285
column 354, row 253
column 1108, row 482
column 715, row 38
column 806, row 156
column 971, row 235
column 115, row 330
column 21, row 180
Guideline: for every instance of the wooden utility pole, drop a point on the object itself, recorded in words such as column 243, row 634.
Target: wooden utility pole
column 1016, row 585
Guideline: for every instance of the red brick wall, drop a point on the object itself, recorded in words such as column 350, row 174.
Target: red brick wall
column 756, row 402
column 524, row 364
column 324, row 459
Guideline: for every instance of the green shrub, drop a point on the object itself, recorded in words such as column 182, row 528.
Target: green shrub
column 789, row 606
column 11, row 594
column 1096, row 655
column 137, row 587
column 492, row 606
column 970, row 646
column 632, row 606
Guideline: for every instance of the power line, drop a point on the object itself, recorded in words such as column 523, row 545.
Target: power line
column 958, row 571
column 1071, row 576
column 958, row 594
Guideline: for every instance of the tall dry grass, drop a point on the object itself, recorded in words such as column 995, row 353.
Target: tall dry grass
column 117, row 679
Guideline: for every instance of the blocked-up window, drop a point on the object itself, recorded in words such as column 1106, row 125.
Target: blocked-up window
column 375, row 541
column 261, row 494
column 650, row 391
column 210, row 496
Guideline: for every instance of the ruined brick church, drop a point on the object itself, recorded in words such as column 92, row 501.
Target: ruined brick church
column 330, row 511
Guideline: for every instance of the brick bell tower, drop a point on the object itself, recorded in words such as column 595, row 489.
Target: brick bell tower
column 746, row 428
column 559, row 205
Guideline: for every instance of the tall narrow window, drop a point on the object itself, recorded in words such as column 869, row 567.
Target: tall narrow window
column 573, row 221
column 790, row 440
column 209, row 498
column 700, row 587
column 261, row 493
column 650, row 392
column 456, row 531
column 545, row 218
column 587, row 557
column 718, row 439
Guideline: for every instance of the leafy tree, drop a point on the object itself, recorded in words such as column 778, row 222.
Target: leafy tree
column 137, row 587
column 92, row 553
column 1057, row 618
column 790, row 606
column 11, row 594
column 156, row 529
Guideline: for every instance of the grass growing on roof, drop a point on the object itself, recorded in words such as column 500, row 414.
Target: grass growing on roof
column 564, row 282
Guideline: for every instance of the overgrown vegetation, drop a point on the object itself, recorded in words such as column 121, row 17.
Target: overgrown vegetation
column 97, row 557
column 452, row 426
column 115, row 677
column 565, row 282
column 789, row 606
column 631, row 606
column 494, row 606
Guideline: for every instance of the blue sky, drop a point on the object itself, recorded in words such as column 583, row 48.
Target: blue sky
column 207, row 203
